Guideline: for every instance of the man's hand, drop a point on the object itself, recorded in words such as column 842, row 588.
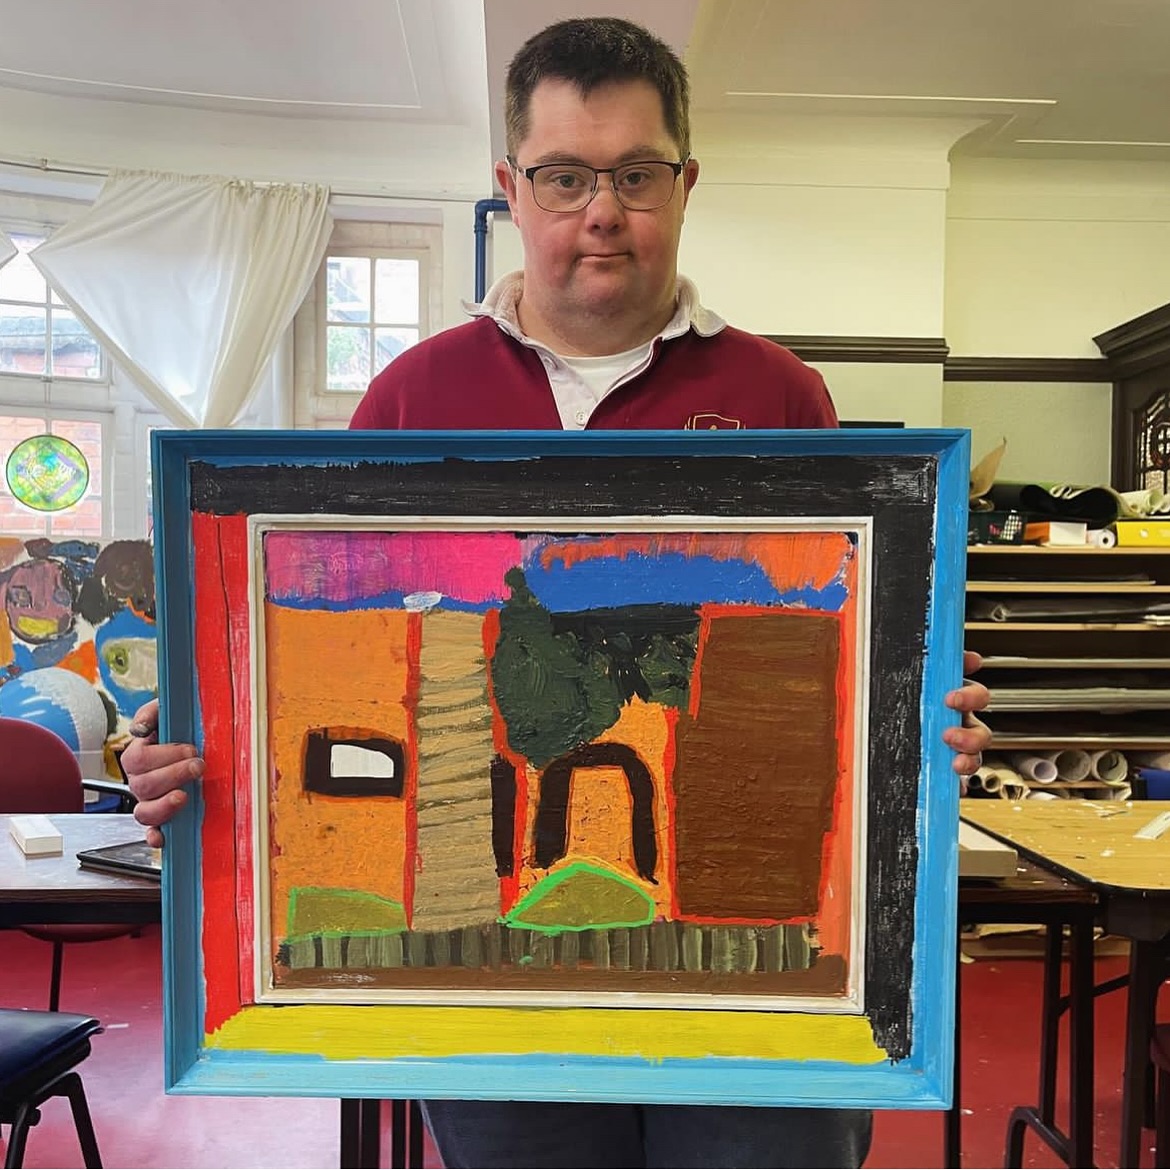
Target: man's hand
column 157, row 772
column 970, row 740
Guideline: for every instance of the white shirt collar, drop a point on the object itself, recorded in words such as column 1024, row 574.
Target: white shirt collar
column 502, row 298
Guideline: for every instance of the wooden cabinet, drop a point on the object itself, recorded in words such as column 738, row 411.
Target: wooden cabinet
column 1076, row 646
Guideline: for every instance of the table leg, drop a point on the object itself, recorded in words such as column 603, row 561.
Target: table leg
column 361, row 1134
column 953, row 1118
column 1144, row 978
column 1081, row 1068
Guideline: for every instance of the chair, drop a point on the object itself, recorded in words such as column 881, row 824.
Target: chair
column 38, row 1054
column 41, row 775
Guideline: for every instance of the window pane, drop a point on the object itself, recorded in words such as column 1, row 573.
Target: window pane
column 391, row 342
column 348, row 350
column 19, row 278
column 22, row 339
column 395, row 291
column 87, row 437
column 347, row 288
column 83, row 519
column 15, row 519
column 75, row 353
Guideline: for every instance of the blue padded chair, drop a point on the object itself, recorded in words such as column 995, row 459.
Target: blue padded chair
column 39, row 1053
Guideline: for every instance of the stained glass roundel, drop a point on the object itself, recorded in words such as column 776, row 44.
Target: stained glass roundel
column 47, row 473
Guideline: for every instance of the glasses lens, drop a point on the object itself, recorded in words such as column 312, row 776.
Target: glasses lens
column 563, row 188
column 645, row 186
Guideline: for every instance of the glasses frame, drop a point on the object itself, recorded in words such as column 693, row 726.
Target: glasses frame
column 530, row 172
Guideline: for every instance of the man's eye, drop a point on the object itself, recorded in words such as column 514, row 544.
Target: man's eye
column 565, row 180
column 639, row 178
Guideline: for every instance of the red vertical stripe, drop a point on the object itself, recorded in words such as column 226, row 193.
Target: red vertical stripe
column 411, row 862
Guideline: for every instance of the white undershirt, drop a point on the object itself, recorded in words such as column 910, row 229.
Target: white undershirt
column 577, row 398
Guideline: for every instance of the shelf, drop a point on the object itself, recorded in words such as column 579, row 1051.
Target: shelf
column 1022, row 662
column 1065, row 587
column 1074, row 550
column 1117, row 627
column 1150, row 743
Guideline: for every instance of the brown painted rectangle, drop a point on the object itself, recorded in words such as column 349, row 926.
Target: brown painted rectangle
column 757, row 768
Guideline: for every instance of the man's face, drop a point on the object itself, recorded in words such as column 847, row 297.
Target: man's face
column 605, row 259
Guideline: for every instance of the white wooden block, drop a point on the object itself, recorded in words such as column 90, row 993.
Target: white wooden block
column 36, row 835
column 982, row 856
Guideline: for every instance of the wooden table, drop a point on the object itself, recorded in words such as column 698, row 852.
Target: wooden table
column 1094, row 843
column 56, row 889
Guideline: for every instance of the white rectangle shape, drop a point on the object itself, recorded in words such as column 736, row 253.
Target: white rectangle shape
column 36, row 835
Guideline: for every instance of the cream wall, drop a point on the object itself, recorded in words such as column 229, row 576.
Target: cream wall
column 1056, row 432
column 1043, row 256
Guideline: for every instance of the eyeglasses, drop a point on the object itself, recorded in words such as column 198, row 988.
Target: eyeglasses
column 565, row 187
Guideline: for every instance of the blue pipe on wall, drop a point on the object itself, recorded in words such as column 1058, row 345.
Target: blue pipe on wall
column 483, row 208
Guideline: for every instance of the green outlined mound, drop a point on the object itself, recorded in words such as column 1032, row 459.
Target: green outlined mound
column 582, row 896
column 317, row 910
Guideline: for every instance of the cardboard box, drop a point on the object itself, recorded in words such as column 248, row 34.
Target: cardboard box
column 1153, row 531
column 1056, row 532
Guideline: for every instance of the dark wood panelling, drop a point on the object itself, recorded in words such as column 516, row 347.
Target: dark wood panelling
column 1026, row 369
column 826, row 348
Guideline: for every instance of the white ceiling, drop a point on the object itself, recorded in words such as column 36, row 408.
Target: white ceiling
column 404, row 95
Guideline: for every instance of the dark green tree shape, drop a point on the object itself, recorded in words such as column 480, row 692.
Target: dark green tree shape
column 557, row 689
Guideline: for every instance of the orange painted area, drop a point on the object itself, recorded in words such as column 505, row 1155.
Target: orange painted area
column 836, row 901
column 12, row 549
column 7, row 650
column 82, row 661
column 339, row 670
column 600, row 805
column 792, row 560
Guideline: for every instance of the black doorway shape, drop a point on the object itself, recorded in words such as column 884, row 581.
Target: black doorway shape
column 552, row 812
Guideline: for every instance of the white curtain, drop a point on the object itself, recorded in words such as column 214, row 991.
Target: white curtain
column 7, row 249
column 190, row 282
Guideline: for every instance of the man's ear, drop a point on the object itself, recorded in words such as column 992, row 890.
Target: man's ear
column 690, row 176
column 507, row 181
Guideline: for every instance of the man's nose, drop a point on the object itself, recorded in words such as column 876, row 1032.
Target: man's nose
column 605, row 209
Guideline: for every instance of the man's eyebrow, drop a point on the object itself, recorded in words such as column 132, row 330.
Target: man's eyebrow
column 634, row 154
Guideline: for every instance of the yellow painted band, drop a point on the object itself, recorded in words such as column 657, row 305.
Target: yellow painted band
column 385, row 1032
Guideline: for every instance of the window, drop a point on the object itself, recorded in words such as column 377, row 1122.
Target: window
column 373, row 307
column 39, row 336
column 83, row 519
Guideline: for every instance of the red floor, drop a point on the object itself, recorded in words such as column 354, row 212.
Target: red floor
column 139, row 1126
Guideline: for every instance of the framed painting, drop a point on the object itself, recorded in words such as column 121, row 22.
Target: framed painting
column 563, row 766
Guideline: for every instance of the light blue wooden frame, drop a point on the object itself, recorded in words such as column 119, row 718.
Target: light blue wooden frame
column 920, row 1080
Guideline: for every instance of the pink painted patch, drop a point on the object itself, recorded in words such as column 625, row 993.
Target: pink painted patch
column 352, row 566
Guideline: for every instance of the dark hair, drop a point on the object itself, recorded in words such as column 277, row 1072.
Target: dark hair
column 590, row 52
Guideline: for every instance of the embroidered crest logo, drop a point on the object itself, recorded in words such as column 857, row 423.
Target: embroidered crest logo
column 709, row 421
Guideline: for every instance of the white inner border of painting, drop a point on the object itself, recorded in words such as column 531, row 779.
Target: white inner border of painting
column 851, row 1002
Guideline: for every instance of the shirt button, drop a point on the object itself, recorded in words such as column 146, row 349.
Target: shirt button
column 581, row 418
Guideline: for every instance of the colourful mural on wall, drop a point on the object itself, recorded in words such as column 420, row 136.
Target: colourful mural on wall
column 561, row 761
column 77, row 639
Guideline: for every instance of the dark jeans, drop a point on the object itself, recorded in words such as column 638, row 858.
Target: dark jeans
column 486, row 1134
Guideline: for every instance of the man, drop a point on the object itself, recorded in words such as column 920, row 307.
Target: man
column 598, row 331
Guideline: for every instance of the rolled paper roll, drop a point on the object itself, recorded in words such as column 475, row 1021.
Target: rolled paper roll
column 1042, row 769
column 987, row 779
column 1074, row 764
column 1102, row 537
column 1120, row 792
column 1108, row 765
column 1045, row 794
column 1014, row 790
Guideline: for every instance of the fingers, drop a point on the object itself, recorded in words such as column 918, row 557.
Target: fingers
column 969, row 742
column 145, row 721
column 153, row 813
column 161, row 768
column 971, row 696
column 971, row 661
